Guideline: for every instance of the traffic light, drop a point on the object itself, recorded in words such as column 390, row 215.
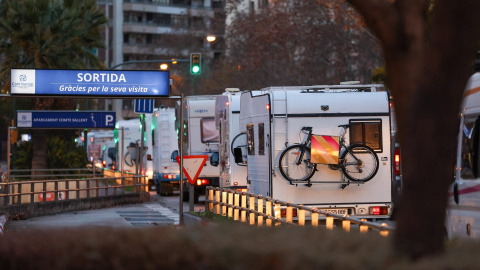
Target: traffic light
column 13, row 136
column 195, row 63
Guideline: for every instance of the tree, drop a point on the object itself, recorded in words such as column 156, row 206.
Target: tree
column 428, row 63
column 56, row 34
column 297, row 42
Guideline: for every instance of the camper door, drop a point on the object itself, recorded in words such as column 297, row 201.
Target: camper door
column 255, row 121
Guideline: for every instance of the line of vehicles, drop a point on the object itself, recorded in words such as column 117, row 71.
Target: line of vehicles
column 245, row 133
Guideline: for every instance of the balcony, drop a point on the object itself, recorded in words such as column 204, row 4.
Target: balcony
column 195, row 7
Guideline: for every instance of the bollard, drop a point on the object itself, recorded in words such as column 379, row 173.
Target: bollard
column 252, row 207
column 244, row 205
column 346, row 225
column 210, row 198
column 301, row 217
column 224, row 205
column 269, row 213
column 289, row 214
column 363, row 228
column 230, row 204
column 260, row 210
column 217, row 202
column 236, row 204
column 314, row 219
column 329, row 223
column 384, row 232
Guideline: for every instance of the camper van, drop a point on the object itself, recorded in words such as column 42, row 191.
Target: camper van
column 227, row 112
column 463, row 212
column 200, row 138
column 277, row 118
column 162, row 139
column 125, row 162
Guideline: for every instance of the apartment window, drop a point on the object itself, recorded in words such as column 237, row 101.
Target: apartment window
column 367, row 132
column 261, row 139
column 250, row 140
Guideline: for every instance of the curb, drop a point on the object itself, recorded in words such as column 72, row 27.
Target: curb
column 193, row 220
column 3, row 221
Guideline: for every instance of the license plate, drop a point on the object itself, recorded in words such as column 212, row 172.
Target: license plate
column 338, row 211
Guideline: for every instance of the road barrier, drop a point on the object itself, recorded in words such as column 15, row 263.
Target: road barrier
column 265, row 211
column 3, row 221
column 59, row 185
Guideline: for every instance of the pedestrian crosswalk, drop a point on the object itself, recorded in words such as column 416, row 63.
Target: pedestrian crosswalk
column 164, row 211
column 149, row 215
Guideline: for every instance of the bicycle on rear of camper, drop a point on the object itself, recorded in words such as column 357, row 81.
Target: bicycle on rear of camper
column 357, row 161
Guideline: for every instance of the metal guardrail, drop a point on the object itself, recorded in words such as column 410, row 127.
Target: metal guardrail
column 59, row 187
column 256, row 209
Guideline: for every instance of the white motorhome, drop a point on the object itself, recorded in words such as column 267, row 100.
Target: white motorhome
column 162, row 139
column 463, row 212
column 131, row 131
column 273, row 118
column 201, row 137
column 232, row 174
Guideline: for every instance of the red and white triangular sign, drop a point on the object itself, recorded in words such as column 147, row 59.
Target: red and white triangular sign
column 193, row 165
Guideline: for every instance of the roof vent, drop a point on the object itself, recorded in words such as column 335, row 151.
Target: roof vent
column 350, row 82
column 232, row 90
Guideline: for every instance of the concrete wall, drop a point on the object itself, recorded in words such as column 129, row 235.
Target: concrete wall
column 50, row 208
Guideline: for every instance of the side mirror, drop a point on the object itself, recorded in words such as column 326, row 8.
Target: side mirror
column 214, row 159
column 111, row 154
column 237, row 154
column 174, row 156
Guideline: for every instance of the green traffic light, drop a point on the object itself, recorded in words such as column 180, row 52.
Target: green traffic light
column 195, row 69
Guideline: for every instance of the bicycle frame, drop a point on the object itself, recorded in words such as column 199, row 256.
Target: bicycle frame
column 305, row 144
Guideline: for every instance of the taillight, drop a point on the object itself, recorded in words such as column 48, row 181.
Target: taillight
column 283, row 212
column 396, row 161
column 104, row 163
column 378, row 210
column 201, row 182
column 170, row 176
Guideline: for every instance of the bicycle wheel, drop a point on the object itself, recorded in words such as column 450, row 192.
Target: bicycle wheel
column 288, row 164
column 363, row 166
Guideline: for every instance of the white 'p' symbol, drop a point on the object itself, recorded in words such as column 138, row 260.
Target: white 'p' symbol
column 108, row 120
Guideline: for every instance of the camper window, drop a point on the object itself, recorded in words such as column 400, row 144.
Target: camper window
column 250, row 140
column 209, row 133
column 261, row 139
column 368, row 132
column 470, row 147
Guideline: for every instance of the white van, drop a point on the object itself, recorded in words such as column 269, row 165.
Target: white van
column 232, row 174
column 131, row 131
column 162, row 139
column 273, row 119
column 109, row 155
column 463, row 212
column 200, row 138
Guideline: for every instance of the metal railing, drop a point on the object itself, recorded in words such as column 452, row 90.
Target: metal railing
column 256, row 209
column 22, row 187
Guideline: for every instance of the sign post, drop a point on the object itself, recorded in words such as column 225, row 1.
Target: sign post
column 192, row 166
